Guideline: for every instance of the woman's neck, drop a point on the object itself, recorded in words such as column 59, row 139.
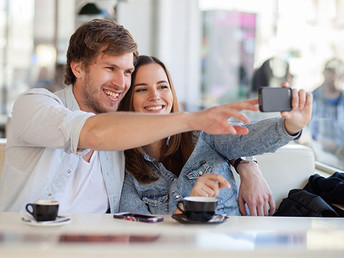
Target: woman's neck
column 154, row 149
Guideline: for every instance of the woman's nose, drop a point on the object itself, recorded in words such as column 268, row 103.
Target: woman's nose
column 154, row 95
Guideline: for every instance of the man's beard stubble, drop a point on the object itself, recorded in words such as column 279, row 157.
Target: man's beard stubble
column 92, row 104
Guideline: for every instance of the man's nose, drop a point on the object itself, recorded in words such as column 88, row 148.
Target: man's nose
column 118, row 80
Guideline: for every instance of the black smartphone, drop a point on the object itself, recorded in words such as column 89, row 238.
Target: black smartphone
column 272, row 99
column 138, row 217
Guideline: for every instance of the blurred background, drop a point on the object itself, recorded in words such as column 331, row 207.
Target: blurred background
column 218, row 51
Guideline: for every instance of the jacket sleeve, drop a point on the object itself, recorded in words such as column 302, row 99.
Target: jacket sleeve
column 264, row 136
column 130, row 200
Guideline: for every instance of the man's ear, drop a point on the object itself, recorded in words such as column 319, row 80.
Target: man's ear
column 76, row 68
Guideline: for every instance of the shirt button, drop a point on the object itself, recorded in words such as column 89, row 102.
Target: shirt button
column 200, row 173
column 69, row 171
column 50, row 194
column 177, row 196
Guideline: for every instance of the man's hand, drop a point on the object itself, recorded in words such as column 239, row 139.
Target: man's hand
column 254, row 191
column 209, row 185
column 215, row 120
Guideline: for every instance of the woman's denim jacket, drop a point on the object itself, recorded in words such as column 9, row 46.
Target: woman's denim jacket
column 211, row 155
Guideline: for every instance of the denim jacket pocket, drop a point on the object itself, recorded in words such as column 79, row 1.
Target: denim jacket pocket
column 197, row 170
column 157, row 203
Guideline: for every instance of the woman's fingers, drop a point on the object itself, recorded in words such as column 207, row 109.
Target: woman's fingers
column 302, row 99
column 209, row 185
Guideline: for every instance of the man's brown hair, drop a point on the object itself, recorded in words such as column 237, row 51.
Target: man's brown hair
column 95, row 36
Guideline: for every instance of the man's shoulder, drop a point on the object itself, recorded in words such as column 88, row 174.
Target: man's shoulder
column 36, row 97
column 43, row 91
column 317, row 90
column 37, row 92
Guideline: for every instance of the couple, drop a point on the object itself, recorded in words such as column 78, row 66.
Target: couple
column 68, row 145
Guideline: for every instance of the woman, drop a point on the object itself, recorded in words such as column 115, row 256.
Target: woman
column 196, row 163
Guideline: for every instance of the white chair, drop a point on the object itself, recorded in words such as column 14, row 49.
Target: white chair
column 288, row 168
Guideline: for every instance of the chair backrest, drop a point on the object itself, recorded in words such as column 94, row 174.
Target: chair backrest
column 286, row 169
column 3, row 142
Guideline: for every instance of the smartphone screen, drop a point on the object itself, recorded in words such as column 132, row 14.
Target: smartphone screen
column 138, row 217
column 272, row 99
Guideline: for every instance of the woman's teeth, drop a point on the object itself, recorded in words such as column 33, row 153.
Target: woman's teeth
column 154, row 108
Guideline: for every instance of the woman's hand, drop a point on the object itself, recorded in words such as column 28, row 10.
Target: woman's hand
column 301, row 112
column 209, row 185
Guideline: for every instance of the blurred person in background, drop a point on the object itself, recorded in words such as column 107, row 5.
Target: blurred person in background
column 273, row 72
column 327, row 124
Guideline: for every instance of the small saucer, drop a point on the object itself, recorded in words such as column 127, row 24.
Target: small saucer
column 216, row 219
column 60, row 220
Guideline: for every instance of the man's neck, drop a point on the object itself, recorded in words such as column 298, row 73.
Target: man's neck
column 331, row 91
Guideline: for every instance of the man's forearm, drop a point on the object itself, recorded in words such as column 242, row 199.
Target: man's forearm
column 120, row 131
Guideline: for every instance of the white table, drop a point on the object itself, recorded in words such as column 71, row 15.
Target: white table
column 237, row 237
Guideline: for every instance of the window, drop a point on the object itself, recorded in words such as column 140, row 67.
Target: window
column 252, row 43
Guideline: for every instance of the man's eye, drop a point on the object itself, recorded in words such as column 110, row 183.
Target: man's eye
column 110, row 68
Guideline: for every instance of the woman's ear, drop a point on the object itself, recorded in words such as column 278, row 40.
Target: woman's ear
column 76, row 69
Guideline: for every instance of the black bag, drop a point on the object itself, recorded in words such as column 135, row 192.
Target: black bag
column 331, row 188
column 303, row 203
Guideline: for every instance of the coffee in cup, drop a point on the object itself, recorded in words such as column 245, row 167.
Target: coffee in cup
column 197, row 208
column 43, row 210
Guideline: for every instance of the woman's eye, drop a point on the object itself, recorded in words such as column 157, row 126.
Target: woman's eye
column 140, row 90
column 164, row 87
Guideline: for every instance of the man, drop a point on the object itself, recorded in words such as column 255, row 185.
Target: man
column 328, row 112
column 67, row 146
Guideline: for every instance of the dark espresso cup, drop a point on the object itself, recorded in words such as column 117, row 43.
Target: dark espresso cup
column 197, row 208
column 43, row 210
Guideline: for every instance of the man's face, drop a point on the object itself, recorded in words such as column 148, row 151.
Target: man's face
column 100, row 87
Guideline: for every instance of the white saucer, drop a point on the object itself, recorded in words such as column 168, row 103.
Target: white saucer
column 60, row 220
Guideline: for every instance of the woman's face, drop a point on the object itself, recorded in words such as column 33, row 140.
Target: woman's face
column 152, row 92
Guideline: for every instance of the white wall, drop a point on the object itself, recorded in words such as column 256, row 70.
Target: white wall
column 179, row 45
column 137, row 17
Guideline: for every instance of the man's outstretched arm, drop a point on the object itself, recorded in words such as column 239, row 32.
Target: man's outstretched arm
column 124, row 130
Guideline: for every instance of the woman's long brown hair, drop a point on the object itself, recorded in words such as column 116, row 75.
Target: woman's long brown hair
column 172, row 155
